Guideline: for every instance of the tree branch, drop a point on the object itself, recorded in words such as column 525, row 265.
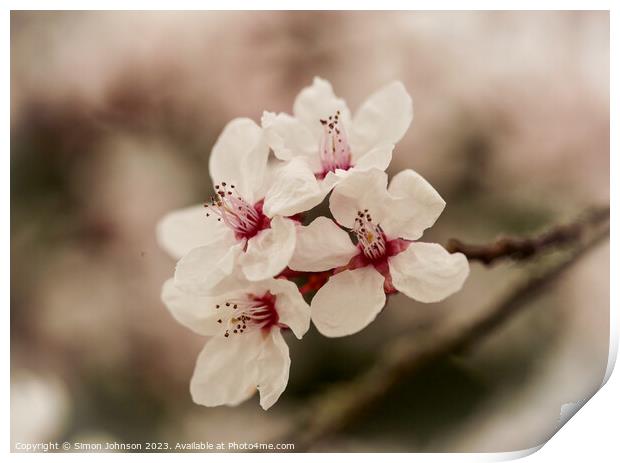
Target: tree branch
column 343, row 404
column 516, row 248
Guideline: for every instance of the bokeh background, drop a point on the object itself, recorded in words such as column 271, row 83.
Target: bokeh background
column 113, row 115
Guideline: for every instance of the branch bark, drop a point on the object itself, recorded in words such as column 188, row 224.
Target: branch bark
column 341, row 405
column 517, row 248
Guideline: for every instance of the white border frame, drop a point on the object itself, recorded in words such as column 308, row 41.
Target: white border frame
column 591, row 434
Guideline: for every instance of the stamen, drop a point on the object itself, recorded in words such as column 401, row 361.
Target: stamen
column 248, row 312
column 370, row 236
column 334, row 149
column 244, row 219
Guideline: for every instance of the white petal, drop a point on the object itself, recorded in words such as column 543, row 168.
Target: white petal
column 334, row 178
column 269, row 252
column 226, row 371
column 378, row 157
column 292, row 310
column 384, row 117
column 318, row 102
column 294, row 190
column 427, row 272
column 288, row 137
column 359, row 190
column 274, row 364
column 180, row 231
column 194, row 311
column 414, row 206
column 348, row 302
column 239, row 157
column 203, row 268
column 322, row 245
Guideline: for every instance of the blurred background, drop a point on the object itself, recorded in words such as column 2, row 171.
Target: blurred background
column 113, row 116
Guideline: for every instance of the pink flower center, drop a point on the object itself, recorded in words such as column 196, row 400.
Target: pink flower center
column 370, row 237
column 375, row 248
column 334, row 149
column 236, row 213
column 249, row 312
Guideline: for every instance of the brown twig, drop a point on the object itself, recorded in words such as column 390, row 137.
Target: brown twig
column 343, row 404
column 516, row 248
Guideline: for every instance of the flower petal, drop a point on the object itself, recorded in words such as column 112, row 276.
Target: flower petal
column 180, row 231
column 321, row 246
column 348, row 302
column 227, row 370
column 239, row 157
column 292, row 310
column 427, row 272
column 274, row 364
column 288, row 137
column 384, row 117
column 194, row 311
column 414, row 206
column 269, row 252
column 318, row 102
column 204, row 268
column 379, row 157
column 358, row 191
column 294, row 190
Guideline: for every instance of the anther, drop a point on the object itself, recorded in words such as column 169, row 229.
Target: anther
column 231, row 209
column 370, row 236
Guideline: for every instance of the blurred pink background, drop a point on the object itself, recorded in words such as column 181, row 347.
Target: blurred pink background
column 113, row 115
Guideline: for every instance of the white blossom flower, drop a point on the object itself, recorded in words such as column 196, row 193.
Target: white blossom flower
column 245, row 350
column 322, row 144
column 386, row 259
column 232, row 230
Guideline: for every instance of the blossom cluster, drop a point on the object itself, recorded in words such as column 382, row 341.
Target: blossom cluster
column 244, row 252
